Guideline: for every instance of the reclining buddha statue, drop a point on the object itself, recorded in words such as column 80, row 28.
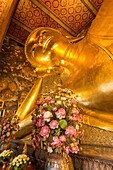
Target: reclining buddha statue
column 87, row 61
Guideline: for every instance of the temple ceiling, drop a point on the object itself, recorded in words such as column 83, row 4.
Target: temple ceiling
column 71, row 17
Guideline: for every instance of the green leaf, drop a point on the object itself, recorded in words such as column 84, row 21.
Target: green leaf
column 41, row 145
column 57, row 132
column 44, row 139
column 49, row 108
column 63, row 123
column 15, row 168
column 52, row 131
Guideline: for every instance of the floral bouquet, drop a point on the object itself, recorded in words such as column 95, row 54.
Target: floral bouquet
column 8, row 127
column 6, row 155
column 20, row 162
column 57, row 122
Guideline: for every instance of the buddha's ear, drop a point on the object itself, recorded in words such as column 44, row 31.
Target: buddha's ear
column 74, row 39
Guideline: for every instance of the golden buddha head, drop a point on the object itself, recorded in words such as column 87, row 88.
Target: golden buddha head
column 45, row 47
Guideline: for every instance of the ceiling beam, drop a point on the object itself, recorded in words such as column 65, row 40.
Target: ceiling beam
column 50, row 13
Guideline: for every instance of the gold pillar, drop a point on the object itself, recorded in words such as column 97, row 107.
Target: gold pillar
column 5, row 17
column 28, row 104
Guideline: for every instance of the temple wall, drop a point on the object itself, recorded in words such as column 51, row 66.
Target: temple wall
column 17, row 76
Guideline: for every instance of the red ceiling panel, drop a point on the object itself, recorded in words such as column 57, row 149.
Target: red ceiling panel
column 30, row 15
column 97, row 3
column 73, row 12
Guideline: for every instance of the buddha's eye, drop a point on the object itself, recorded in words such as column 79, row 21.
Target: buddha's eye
column 44, row 32
column 33, row 49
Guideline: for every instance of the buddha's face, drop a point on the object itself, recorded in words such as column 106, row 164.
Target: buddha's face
column 44, row 47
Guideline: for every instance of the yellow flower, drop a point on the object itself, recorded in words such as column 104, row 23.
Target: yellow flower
column 17, row 164
column 29, row 162
column 27, row 158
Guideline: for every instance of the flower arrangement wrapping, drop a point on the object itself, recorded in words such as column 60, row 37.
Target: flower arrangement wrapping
column 8, row 127
column 20, row 162
column 6, row 155
column 57, row 122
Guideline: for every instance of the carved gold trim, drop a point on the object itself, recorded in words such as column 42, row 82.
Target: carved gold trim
column 93, row 4
column 89, row 6
column 22, row 25
column 15, row 39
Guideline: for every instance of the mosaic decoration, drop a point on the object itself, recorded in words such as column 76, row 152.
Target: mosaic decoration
column 18, row 32
column 97, row 136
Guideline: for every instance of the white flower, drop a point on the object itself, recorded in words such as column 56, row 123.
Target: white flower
column 8, row 134
column 47, row 115
column 77, row 127
column 4, row 127
column 59, row 102
column 56, row 97
column 63, row 98
column 13, row 132
column 50, row 150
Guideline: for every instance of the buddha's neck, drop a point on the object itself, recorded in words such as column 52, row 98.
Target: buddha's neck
column 72, row 54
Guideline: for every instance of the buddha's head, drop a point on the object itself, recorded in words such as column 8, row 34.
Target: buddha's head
column 45, row 47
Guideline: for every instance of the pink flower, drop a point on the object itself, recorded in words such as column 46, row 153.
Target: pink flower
column 68, row 104
column 8, row 139
column 54, row 124
column 74, row 101
column 50, row 150
column 7, row 125
column 67, row 150
column 37, row 139
column 61, row 113
column 58, row 85
column 70, row 131
column 42, row 112
column 40, row 122
column 72, row 117
column 33, row 146
column 62, row 138
column 45, row 104
column 39, row 102
column 36, row 107
column 74, row 148
column 79, row 118
column 54, row 108
column 82, row 133
column 48, row 98
column 55, row 138
column 34, row 121
column 47, row 115
column 45, row 131
column 4, row 135
column 57, row 142
column 52, row 101
column 64, row 90
column 75, row 111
